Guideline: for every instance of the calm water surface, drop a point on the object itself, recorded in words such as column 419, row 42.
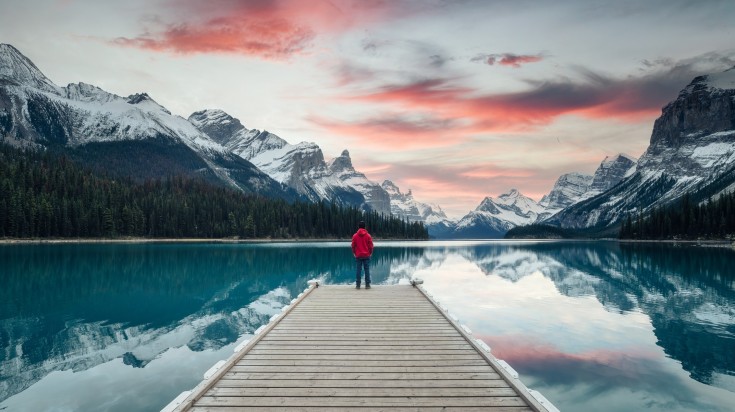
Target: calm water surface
column 593, row 326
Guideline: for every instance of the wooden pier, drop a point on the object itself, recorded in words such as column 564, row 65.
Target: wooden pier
column 389, row 348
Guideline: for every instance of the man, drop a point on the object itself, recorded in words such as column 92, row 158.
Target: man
column 362, row 248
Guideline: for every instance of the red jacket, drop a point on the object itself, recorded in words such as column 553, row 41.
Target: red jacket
column 362, row 244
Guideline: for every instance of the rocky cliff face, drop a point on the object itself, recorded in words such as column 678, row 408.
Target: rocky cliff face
column 692, row 144
column 567, row 190
column 610, row 172
column 300, row 166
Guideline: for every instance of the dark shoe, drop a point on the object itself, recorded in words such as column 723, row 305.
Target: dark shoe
column 367, row 286
column 358, row 287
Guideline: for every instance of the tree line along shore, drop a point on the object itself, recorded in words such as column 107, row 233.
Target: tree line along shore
column 46, row 195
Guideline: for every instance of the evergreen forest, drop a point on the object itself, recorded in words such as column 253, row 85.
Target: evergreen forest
column 685, row 219
column 45, row 195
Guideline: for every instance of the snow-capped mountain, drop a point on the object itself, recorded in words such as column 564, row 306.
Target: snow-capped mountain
column 300, row 166
column 567, row 190
column 610, row 172
column 692, row 149
column 495, row 216
column 572, row 188
column 404, row 206
column 132, row 136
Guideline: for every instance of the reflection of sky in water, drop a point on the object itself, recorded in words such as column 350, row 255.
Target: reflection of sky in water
column 593, row 326
column 576, row 351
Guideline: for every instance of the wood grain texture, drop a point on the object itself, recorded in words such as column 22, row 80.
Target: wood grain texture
column 384, row 349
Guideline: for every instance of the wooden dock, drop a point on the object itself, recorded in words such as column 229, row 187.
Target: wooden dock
column 389, row 348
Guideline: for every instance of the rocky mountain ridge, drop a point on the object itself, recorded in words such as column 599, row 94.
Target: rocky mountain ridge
column 692, row 146
column 131, row 136
column 300, row 166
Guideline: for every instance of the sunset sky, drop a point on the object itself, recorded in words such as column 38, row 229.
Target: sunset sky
column 456, row 100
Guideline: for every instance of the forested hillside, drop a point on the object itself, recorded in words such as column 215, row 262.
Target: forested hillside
column 685, row 219
column 48, row 195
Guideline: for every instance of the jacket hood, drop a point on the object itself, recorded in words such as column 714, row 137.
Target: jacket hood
column 362, row 232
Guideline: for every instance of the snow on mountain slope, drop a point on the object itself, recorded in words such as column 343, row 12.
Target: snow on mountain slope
column 610, row 172
column 567, row 190
column 87, row 122
column 495, row 216
column 404, row 205
column 300, row 166
column 18, row 70
column 692, row 144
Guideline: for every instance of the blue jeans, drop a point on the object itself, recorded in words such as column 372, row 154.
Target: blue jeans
column 360, row 263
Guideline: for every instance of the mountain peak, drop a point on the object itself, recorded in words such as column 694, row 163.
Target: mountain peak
column 16, row 68
column 217, row 124
column 138, row 98
column 343, row 162
column 513, row 193
column 390, row 187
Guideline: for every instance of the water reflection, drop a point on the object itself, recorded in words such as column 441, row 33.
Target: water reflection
column 576, row 319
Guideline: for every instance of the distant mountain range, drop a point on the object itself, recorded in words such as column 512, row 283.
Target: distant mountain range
column 692, row 149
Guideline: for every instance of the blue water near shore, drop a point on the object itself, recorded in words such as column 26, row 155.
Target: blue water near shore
column 592, row 325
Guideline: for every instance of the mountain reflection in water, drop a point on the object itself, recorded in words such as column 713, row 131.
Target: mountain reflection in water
column 157, row 310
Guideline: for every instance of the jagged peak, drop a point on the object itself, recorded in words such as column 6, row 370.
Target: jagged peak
column 511, row 194
column 714, row 81
column 619, row 157
column 88, row 92
column 17, row 68
column 389, row 186
column 208, row 117
column 342, row 162
column 138, row 98
column 143, row 99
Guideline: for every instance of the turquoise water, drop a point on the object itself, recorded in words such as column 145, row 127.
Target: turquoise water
column 593, row 326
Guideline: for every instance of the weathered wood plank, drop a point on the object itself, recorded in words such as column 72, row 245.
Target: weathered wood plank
column 354, row 351
column 399, row 340
column 388, row 348
column 361, row 409
column 363, row 392
column 362, row 401
column 352, row 376
column 355, row 363
column 387, row 356
column 363, row 383
column 366, row 369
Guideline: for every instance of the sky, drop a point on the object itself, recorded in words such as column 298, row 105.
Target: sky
column 454, row 99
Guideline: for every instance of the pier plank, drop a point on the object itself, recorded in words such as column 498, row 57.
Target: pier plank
column 389, row 348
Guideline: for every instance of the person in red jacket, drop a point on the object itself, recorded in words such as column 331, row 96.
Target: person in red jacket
column 362, row 248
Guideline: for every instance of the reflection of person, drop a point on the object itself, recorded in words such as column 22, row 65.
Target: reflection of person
column 362, row 248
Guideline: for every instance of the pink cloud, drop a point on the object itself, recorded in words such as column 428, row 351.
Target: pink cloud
column 394, row 132
column 508, row 59
column 268, row 29
column 462, row 108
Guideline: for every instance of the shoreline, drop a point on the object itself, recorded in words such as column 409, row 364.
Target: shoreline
column 133, row 240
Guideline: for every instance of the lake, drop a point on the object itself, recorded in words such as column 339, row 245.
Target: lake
column 592, row 325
